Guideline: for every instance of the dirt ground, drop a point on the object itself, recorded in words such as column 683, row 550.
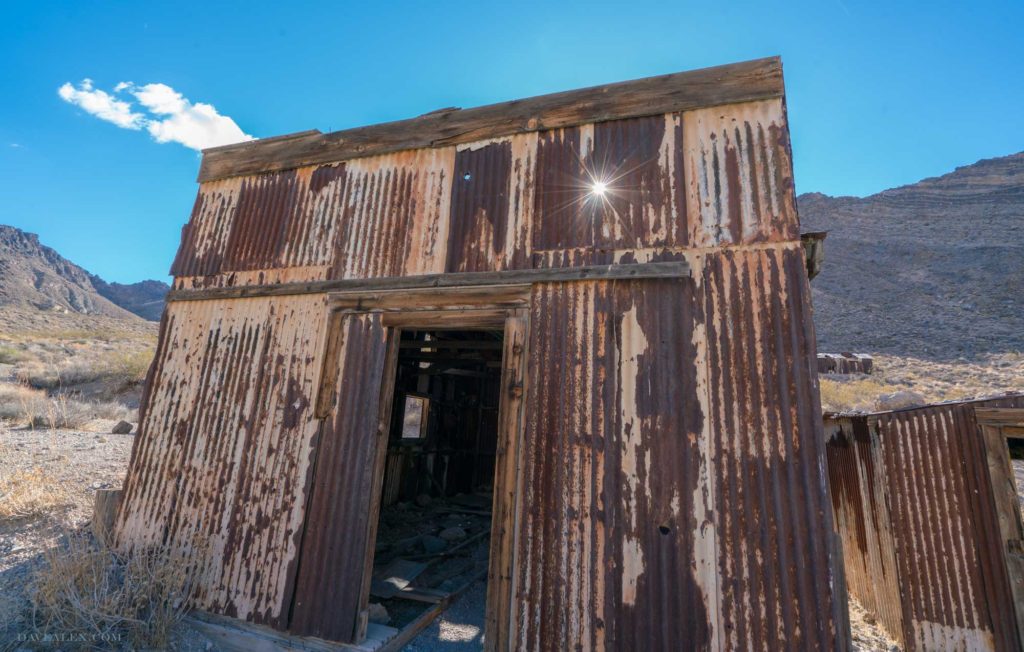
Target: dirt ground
column 78, row 462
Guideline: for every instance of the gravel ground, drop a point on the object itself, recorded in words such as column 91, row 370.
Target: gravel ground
column 460, row 628
column 81, row 461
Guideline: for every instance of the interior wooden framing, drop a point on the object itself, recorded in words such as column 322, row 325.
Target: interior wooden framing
column 501, row 307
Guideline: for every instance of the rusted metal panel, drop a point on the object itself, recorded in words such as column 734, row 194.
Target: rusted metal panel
column 204, row 236
column 702, row 178
column 394, row 216
column 779, row 579
column 380, row 216
column 492, row 205
column 606, row 537
column 688, row 503
column 739, row 175
column 862, row 519
column 224, row 447
column 327, row 600
column 934, row 489
column 942, row 520
column 638, row 163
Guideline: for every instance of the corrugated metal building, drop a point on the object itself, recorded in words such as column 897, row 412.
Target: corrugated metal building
column 659, row 478
column 914, row 507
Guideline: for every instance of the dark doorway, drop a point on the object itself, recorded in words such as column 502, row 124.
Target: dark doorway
column 433, row 533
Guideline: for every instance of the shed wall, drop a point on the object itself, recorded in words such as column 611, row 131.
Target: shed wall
column 221, row 463
column 687, row 503
column 698, row 179
column 672, row 484
column 924, row 471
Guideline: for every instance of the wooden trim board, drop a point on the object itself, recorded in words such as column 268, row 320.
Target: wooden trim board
column 738, row 82
column 1007, row 506
column 359, row 288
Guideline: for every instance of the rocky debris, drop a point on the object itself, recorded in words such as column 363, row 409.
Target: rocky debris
column 122, row 428
column 452, row 534
column 378, row 613
column 867, row 634
column 899, row 400
column 423, row 500
column 433, row 545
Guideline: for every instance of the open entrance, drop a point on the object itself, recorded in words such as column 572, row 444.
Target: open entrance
column 433, row 534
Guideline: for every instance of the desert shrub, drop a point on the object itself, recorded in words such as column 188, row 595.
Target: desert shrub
column 18, row 401
column 32, row 407
column 87, row 591
column 855, row 395
column 115, row 368
column 11, row 355
column 62, row 412
column 27, row 493
column 129, row 367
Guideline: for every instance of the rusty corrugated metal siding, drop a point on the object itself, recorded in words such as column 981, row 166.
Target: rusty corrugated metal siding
column 527, row 199
column 672, row 485
column 327, row 599
column 608, row 535
column 225, row 445
column 930, row 468
column 688, row 503
column 774, row 534
column 863, row 522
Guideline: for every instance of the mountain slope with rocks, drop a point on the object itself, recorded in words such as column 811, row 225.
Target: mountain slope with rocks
column 932, row 270
column 36, row 279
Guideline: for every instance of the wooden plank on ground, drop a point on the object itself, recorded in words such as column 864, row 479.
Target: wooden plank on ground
column 233, row 635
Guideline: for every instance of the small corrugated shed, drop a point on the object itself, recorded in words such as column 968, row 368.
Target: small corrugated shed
column 660, row 480
column 914, row 508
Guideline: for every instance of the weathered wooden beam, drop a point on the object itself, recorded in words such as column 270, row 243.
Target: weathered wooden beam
column 1000, row 416
column 468, row 345
column 738, row 82
column 235, row 635
column 482, row 280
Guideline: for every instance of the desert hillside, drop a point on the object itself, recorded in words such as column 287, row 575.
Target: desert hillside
column 932, row 270
column 36, row 280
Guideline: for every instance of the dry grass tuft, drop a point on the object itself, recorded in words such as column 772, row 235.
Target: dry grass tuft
column 28, row 493
column 87, row 591
column 31, row 407
column 857, row 395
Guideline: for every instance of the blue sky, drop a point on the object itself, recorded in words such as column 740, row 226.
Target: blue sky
column 880, row 94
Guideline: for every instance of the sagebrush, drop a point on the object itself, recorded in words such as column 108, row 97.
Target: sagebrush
column 87, row 591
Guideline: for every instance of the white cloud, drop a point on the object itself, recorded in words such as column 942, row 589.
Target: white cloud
column 168, row 115
column 101, row 104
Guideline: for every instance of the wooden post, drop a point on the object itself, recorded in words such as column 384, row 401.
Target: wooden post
column 104, row 511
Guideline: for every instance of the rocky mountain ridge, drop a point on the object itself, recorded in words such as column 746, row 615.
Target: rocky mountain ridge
column 34, row 277
column 934, row 269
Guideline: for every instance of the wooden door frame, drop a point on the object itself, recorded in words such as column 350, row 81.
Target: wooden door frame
column 456, row 308
column 996, row 426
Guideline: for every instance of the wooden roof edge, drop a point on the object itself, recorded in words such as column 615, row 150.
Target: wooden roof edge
column 737, row 82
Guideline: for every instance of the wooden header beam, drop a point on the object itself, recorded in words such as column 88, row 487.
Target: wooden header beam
column 738, row 82
column 357, row 289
